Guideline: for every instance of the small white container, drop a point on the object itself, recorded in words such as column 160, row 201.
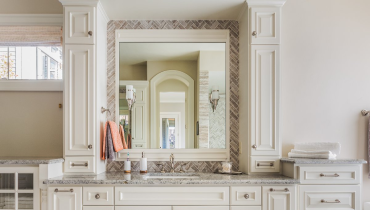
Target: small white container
column 226, row 166
column 127, row 166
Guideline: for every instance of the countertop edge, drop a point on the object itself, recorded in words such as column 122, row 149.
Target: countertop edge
column 30, row 161
column 322, row 161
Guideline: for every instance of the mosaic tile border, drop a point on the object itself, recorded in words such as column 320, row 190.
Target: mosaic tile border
column 232, row 26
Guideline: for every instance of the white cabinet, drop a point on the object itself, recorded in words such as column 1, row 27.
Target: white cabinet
column 143, row 208
column 78, row 98
column 330, row 175
column 98, row 196
column 327, row 197
column 278, row 197
column 264, row 92
column 245, row 207
column 200, row 208
column 82, row 164
column 79, row 25
column 138, row 121
column 265, row 25
column 245, row 196
column 65, row 198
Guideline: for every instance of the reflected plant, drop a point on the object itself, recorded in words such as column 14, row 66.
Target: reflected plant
column 6, row 67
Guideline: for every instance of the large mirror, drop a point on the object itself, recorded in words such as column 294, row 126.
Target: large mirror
column 172, row 95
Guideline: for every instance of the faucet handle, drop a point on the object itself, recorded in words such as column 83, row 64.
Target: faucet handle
column 161, row 167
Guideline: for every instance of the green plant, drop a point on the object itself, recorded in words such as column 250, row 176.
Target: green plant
column 6, row 67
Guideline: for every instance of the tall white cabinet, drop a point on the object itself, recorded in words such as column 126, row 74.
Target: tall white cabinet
column 85, row 60
column 260, row 44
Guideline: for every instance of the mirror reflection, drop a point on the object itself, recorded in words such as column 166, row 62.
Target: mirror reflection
column 172, row 95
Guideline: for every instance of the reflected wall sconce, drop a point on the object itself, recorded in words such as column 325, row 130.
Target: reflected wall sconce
column 130, row 96
column 214, row 97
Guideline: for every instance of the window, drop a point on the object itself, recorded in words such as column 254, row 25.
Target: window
column 22, row 62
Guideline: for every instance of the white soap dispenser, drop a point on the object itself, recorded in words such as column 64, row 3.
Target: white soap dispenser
column 143, row 164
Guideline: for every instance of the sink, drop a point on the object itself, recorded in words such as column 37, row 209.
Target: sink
column 170, row 176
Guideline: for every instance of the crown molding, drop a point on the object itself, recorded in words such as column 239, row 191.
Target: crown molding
column 31, row 19
column 79, row 2
column 278, row 3
column 103, row 12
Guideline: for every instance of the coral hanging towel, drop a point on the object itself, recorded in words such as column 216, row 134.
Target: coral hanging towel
column 117, row 142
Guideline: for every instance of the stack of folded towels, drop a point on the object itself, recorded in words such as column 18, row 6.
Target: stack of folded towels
column 315, row 150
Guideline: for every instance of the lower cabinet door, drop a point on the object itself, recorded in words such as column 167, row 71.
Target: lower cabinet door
column 245, row 207
column 65, row 198
column 200, row 208
column 143, row 208
column 278, row 197
column 98, row 208
column 329, row 197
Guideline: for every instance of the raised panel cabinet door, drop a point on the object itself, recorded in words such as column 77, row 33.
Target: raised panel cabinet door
column 278, row 197
column 265, row 25
column 264, row 96
column 139, row 123
column 65, row 198
column 79, row 100
column 79, row 25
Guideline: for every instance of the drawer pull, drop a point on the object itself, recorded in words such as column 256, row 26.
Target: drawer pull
column 56, row 190
column 336, row 201
column 265, row 164
column 254, row 33
column 275, row 190
column 90, row 146
column 334, row 175
column 89, row 33
column 254, row 146
column 85, row 164
column 97, row 196
column 246, row 196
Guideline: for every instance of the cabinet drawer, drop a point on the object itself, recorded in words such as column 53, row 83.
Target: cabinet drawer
column 60, row 198
column 98, row 208
column 79, row 164
column 330, row 175
column 319, row 197
column 200, row 208
column 278, row 197
column 245, row 196
column 245, row 207
column 265, row 164
column 172, row 196
column 98, row 196
column 143, row 208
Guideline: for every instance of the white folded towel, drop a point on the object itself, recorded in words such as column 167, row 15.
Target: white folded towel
column 334, row 147
column 312, row 156
column 324, row 152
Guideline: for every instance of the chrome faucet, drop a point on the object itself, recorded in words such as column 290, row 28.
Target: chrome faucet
column 172, row 161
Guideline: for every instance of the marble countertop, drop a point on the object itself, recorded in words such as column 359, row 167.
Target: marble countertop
column 120, row 178
column 29, row 160
column 322, row 161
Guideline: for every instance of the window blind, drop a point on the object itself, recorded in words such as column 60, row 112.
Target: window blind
column 30, row 35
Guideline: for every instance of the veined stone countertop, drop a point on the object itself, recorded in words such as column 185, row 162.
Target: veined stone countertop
column 322, row 161
column 29, row 160
column 120, row 178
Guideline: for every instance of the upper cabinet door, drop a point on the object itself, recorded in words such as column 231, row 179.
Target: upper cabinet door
column 265, row 25
column 264, row 96
column 80, row 25
column 79, row 89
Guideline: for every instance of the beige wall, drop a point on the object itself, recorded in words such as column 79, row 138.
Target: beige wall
column 31, row 124
column 132, row 72
column 31, row 7
column 325, row 75
column 188, row 67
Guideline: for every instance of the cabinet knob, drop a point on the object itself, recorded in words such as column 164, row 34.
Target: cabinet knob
column 254, row 146
column 97, row 196
column 90, row 146
column 246, row 196
column 254, row 33
column 89, row 33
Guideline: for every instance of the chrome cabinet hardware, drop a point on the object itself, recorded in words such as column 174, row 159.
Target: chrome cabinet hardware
column 246, row 196
column 97, row 196
column 102, row 110
column 254, row 33
column 254, row 146
column 161, row 168
column 85, row 164
column 275, row 190
column 265, row 164
column 365, row 112
column 90, row 146
column 334, row 175
column 90, row 33
column 336, row 201
column 56, row 190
